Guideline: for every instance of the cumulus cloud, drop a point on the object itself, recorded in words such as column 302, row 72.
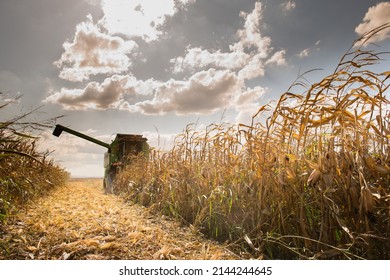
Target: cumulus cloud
column 250, row 36
column 92, row 96
column 254, row 68
column 247, row 102
column 139, row 18
column 375, row 17
column 288, row 6
column 111, row 93
column 107, row 47
column 197, row 58
column 253, row 42
column 249, row 96
column 216, row 79
column 93, row 52
column 304, row 53
column 278, row 58
column 308, row 51
column 203, row 93
column 247, row 56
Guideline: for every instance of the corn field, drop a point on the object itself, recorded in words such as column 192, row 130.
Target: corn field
column 307, row 179
column 25, row 173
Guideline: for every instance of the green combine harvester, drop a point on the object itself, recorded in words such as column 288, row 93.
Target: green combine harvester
column 117, row 154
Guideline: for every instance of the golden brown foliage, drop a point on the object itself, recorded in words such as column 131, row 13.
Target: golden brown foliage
column 309, row 181
column 25, row 173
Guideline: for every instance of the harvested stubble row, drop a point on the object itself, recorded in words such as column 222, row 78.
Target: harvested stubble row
column 78, row 221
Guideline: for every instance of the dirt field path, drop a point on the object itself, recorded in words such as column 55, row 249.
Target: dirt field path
column 80, row 222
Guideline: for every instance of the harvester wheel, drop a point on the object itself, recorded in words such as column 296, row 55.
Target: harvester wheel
column 107, row 183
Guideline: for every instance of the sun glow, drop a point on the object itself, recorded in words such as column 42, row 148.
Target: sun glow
column 136, row 18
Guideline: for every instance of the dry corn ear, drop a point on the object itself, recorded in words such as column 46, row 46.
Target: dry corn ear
column 369, row 162
column 314, row 177
column 328, row 179
column 366, row 201
column 290, row 173
column 382, row 169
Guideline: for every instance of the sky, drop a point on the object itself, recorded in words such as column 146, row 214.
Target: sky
column 152, row 67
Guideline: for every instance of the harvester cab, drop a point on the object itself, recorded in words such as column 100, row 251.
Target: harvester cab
column 117, row 154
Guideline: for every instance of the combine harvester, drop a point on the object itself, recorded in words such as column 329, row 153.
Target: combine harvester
column 117, row 154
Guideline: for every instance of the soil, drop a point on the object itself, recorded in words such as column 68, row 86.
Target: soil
column 78, row 221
